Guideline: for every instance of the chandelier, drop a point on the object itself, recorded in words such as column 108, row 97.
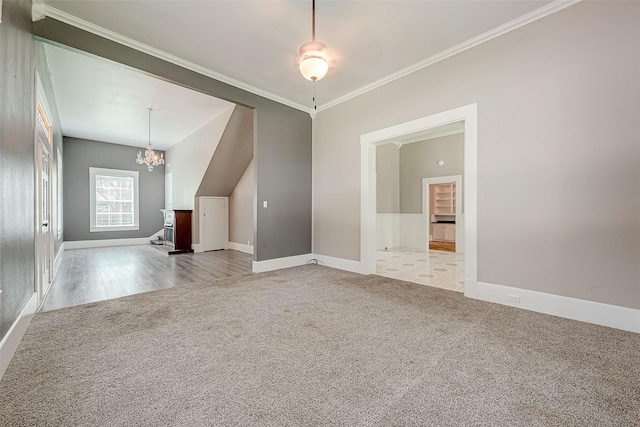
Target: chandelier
column 314, row 61
column 151, row 157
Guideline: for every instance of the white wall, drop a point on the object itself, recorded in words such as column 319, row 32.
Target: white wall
column 558, row 152
column 401, row 230
column 188, row 160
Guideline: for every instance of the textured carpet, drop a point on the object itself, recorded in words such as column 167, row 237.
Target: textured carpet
column 316, row 346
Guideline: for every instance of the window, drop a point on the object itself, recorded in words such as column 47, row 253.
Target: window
column 114, row 200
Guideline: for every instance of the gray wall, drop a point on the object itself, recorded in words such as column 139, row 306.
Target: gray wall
column 419, row 160
column 17, row 95
column 388, row 178
column 282, row 150
column 81, row 154
column 558, row 152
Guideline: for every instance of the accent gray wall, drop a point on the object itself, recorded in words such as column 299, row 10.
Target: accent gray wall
column 388, row 178
column 282, row 150
column 558, row 152
column 17, row 120
column 419, row 160
column 81, row 154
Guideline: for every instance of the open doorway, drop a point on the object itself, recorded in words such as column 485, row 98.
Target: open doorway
column 419, row 191
column 464, row 118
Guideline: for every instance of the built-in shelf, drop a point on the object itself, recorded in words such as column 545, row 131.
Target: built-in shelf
column 443, row 208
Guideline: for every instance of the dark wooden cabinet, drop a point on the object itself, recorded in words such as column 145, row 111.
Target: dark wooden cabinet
column 177, row 231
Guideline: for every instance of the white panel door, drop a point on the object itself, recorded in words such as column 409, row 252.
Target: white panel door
column 214, row 221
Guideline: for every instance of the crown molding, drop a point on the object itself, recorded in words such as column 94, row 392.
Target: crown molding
column 539, row 13
column 530, row 17
column 118, row 38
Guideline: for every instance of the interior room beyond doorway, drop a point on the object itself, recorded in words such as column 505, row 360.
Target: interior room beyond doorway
column 419, row 210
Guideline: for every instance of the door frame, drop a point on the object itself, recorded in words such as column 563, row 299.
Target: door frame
column 459, row 213
column 368, row 142
column 43, row 244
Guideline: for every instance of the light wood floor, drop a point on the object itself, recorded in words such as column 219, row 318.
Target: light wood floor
column 90, row 275
column 442, row 246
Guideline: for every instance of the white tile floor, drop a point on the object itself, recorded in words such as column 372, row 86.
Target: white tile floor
column 439, row 269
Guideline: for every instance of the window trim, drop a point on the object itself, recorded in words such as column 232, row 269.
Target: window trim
column 92, row 199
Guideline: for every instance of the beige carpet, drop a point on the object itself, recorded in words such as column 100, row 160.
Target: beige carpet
column 317, row 347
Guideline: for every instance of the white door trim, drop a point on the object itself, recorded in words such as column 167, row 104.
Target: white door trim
column 425, row 206
column 368, row 142
column 43, row 248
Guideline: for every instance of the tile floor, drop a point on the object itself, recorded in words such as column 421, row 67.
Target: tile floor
column 439, row 269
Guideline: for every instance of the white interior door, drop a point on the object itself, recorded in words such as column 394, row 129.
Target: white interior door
column 214, row 214
column 44, row 240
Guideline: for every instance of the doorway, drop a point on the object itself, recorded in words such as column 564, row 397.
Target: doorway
column 443, row 208
column 468, row 116
column 43, row 204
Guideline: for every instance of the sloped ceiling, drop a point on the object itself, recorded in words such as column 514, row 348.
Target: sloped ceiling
column 103, row 101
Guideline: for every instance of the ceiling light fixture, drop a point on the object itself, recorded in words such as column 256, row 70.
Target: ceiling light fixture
column 314, row 61
column 151, row 157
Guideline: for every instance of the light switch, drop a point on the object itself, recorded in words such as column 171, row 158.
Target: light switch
column 264, row 204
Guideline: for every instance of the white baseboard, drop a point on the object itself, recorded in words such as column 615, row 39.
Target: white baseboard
column 278, row 263
column 197, row 247
column 11, row 340
column 613, row 316
column 58, row 261
column 340, row 263
column 247, row 249
column 84, row 244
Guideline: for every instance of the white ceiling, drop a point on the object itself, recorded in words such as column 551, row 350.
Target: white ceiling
column 254, row 44
column 104, row 101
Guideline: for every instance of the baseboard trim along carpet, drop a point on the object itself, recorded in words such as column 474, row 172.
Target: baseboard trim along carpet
column 613, row 316
column 279, row 263
column 340, row 263
column 12, row 338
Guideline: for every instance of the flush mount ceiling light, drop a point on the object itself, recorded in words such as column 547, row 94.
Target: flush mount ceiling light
column 151, row 157
column 314, row 61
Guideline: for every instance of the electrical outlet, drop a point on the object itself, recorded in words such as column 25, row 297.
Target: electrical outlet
column 514, row 298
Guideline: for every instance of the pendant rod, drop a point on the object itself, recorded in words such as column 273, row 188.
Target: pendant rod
column 313, row 20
